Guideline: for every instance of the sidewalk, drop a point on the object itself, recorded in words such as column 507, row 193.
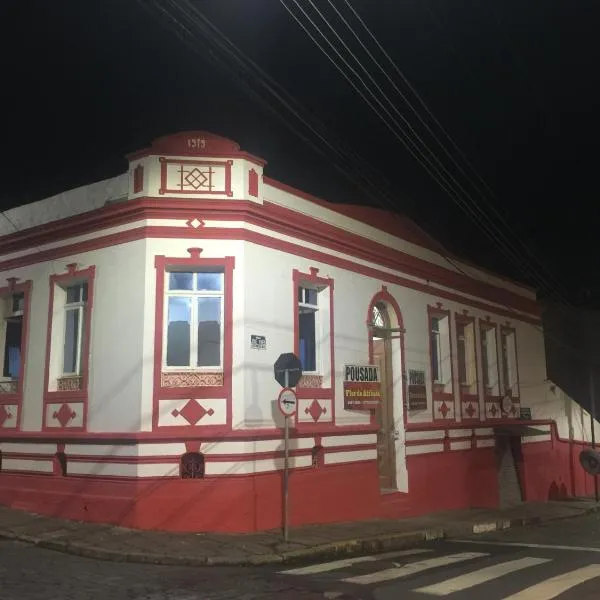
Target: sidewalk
column 309, row 543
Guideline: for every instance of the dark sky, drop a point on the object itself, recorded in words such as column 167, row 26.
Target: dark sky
column 514, row 83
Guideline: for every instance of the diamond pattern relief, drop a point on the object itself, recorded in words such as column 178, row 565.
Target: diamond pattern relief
column 196, row 178
column 494, row 410
column 315, row 410
column 195, row 223
column 4, row 415
column 470, row 410
column 193, row 412
column 64, row 414
column 444, row 410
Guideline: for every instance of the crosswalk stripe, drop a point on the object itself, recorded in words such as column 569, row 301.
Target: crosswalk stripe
column 524, row 545
column 555, row 586
column 411, row 568
column 463, row 582
column 348, row 562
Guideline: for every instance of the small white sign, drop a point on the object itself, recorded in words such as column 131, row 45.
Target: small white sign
column 288, row 402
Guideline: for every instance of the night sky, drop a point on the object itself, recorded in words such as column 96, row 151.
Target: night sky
column 515, row 84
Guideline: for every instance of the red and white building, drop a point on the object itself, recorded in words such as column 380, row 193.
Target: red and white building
column 142, row 316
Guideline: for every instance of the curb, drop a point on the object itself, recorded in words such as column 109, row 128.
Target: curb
column 329, row 551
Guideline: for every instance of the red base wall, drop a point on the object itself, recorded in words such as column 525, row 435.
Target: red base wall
column 350, row 492
column 229, row 504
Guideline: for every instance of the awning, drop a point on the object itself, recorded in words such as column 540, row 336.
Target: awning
column 519, row 429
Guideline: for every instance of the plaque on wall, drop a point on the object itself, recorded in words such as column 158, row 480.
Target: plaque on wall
column 525, row 413
column 417, row 390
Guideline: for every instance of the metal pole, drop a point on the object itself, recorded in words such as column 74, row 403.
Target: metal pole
column 593, row 426
column 286, row 449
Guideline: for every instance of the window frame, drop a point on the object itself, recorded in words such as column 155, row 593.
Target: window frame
column 194, row 294
column 220, row 386
column 82, row 308
column 489, row 391
column 442, row 390
column 14, row 397
column 512, row 385
column 319, row 383
column 79, row 394
column 313, row 308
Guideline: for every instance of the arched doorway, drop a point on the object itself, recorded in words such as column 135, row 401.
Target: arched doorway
column 381, row 355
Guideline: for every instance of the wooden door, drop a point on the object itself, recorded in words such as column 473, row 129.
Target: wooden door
column 385, row 415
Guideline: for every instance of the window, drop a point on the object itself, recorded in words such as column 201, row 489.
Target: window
column 14, row 307
column 436, row 350
column 75, row 309
column 308, row 324
column 509, row 362
column 466, row 356
column 194, row 319
column 440, row 353
column 489, row 360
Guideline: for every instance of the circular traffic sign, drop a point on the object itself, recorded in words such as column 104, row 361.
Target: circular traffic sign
column 288, row 402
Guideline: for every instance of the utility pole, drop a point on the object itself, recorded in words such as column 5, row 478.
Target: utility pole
column 593, row 425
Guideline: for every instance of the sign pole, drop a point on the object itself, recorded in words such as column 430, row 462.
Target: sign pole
column 286, row 452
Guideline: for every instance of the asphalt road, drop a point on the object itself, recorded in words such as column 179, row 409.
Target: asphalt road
column 559, row 560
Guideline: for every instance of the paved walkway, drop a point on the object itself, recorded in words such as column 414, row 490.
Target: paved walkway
column 315, row 542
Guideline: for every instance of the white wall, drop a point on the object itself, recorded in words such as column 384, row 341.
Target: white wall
column 116, row 337
column 66, row 204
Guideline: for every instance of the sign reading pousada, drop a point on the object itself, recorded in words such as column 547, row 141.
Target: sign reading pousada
column 362, row 387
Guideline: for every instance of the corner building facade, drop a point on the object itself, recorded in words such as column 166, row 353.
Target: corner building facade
column 142, row 318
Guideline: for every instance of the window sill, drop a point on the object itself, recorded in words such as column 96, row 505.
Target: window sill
column 311, row 381
column 9, row 386
column 191, row 378
column 69, row 383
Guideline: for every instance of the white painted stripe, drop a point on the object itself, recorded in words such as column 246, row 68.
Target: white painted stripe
column 531, row 439
column 461, row 445
column 348, row 440
column 348, row 562
column 469, row 580
column 433, row 434
column 424, row 449
column 332, row 458
column 459, row 433
column 484, row 431
column 555, row 586
column 412, row 568
column 485, row 443
column 520, row 545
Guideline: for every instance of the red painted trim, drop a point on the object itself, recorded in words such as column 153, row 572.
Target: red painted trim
column 194, row 261
column 78, row 396
column 489, row 398
column 325, row 392
column 509, row 329
column 466, row 399
column 386, row 298
column 253, row 183
column 397, row 225
column 17, row 398
column 271, row 216
column 448, row 397
column 180, row 436
column 185, row 143
column 164, row 189
column 138, row 179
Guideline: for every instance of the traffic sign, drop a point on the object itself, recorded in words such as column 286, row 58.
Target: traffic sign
column 288, row 370
column 288, row 402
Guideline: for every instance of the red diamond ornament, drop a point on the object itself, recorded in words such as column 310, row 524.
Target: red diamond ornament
column 315, row 410
column 4, row 415
column 444, row 410
column 64, row 414
column 193, row 412
column 470, row 410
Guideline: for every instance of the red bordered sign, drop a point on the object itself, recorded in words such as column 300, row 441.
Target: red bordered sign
column 287, row 401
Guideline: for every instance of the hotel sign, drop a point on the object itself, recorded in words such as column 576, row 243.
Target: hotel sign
column 362, row 387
